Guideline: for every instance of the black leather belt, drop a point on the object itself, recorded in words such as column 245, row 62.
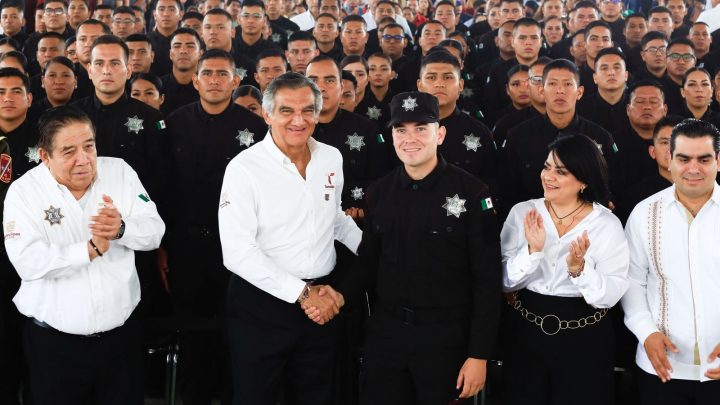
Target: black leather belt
column 319, row 280
column 414, row 316
column 46, row 326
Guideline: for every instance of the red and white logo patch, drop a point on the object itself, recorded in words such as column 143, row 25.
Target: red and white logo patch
column 5, row 168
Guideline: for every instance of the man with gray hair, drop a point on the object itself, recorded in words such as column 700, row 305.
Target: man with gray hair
column 279, row 215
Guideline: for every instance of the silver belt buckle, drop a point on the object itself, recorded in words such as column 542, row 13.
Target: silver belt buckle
column 542, row 324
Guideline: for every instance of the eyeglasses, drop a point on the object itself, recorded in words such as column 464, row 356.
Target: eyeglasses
column 535, row 80
column 657, row 50
column 254, row 16
column 687, row 57
column 123, row 21
column 393, row 38
column 55, row 11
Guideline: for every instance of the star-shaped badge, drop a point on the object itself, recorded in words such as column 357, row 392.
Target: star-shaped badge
column 134, row 124
column 472, row 142
column 409, row 104
column 32, row 154
column 241, row 72
column 355, row 141
column 374, row 113
column 275, row 38
column 245, row 137
column 454, row 206
column 53, row 215
column 357, row 193
column 467, row 92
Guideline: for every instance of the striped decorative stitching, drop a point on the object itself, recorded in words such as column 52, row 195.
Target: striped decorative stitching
column 654, row 246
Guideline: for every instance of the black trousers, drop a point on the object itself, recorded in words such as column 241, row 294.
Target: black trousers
column 570, row 367
column 198, row 282
column 677, row 392
column 276, row 349
column 76, row 370
column 411, row 363
column 12, row 365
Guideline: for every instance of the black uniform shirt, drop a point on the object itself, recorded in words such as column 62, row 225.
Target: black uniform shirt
column 85, row 86
column 526, row 150
column 633, row 155
column 364, row 151
column 133, row 131
column 407, row 75
column 336, row 53
column 495, row 97
column 562, row 49
column 469, row 145
column 375, row 110
column 509, row 121
column 201, row 146
column 673, row 98
column 586, row 80
column 252, row 51
column 639, row 191
column 612, row 117
column 176, row 94
column 286, row 24
column 23, row 148
column 433, row 244
column 162, row 64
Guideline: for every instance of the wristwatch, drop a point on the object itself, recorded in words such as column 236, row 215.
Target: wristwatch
column 121, row 231
column 305, row 294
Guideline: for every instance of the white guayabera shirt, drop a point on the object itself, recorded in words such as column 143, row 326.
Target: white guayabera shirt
column 675, row 280
column 46, row 238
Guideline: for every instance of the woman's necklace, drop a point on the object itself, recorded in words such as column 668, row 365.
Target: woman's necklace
column 559, row 218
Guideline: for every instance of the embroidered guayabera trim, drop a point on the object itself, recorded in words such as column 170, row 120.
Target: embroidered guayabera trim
column 655, row 245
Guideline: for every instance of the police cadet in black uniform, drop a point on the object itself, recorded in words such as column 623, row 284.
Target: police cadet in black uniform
column 186, row 46
column 469, row 143
column 18, row 154
column 430, row 255
column 525, row 150
column 363, row 148
column 204, row 136
column 126, row 128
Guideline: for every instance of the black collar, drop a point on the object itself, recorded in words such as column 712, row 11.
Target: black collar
column 427, row 183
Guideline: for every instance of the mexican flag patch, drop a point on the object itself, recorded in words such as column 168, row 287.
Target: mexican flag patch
column 486, row 204
column 160, row 124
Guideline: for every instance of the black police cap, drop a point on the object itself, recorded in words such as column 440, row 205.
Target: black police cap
column 414, row 106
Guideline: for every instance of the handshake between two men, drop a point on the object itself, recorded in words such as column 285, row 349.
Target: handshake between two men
column 321, row 303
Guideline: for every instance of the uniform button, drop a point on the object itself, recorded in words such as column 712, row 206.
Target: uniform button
column 352, row 161
column 414, row 186
column 527, row 166
column 547, row 288
column 467, row 162
column 553, row 264
column 449, row 229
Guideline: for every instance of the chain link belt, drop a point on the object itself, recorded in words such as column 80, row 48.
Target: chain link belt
column 546, row 321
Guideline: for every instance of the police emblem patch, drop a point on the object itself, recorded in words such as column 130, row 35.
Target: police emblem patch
column 409, row 104
column 134, row 124
column 32, row 154
column 373, row 113
column 5, row 168
column 275, row 38
column 472, row 142
column 245, row 137
column 241, row 72
column 467, row 92
column 357, row 193
column 53, row 215
column 355, row 141
column 454, row 205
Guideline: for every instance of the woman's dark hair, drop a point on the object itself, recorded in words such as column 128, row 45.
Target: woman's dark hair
column 581, row 156
column 61, row 60
column 696, row 69
column 247, row 90
column 149, row 77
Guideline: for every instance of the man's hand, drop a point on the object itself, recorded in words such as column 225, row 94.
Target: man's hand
column 162, row 267
column 355, row 213
column 106, row 224
column 472, row 377
column 714, row 373
column 322, row 304
column 656, row 346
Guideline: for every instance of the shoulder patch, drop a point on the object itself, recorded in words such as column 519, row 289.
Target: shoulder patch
column 486, row 204
column 160, row 124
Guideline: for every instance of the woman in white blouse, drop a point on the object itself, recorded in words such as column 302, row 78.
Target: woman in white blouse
column 565, row 263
